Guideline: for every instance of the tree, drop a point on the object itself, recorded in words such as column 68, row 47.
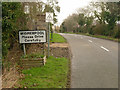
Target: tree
column 12, row 13
column 63, row 28
column 81, row 19
column 108, row 14
column 112, row 15
column 97, row 18
column 52, row 6
column 85, row 19
column 71, row 23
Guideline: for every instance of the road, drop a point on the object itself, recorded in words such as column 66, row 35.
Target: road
column 94, row 62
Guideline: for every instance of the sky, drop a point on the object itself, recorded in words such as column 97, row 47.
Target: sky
column 68, row 7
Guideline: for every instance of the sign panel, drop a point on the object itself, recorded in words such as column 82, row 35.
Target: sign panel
column 49, row 17
column 37, row 36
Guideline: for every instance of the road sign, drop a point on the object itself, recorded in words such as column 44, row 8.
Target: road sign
column 37, row 36
column 49, row 17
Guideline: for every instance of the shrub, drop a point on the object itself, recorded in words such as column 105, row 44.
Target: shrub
column 116, row 31
column 100, row 29
column 11, row 13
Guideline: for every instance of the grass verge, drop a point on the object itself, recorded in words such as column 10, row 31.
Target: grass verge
column 52, row 75
column 57, row 38
column 98, row 36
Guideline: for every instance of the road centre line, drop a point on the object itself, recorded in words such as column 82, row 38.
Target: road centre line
column 105, row 48
column 100, row 46
column 89, row 40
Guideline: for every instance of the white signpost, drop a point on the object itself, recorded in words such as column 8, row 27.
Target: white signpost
column 37, row 36
column 49, row 19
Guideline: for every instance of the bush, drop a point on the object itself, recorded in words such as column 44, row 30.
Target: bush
column 116, row 31
column 100, row 29
column 11, row 13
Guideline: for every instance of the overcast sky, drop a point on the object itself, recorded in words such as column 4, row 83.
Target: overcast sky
column 70, row 6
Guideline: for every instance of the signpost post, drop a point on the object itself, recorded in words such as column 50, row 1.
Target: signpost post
column 48, row 38
column 24, row 49
column 49, row 19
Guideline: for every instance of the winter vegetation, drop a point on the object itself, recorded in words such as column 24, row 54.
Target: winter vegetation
column 22, row 16
column 98, row 18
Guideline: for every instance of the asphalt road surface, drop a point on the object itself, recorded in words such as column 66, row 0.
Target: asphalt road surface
column 94, row 62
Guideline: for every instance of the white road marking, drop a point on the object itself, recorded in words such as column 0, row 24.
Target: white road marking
column 89, row 40
column 105, row 48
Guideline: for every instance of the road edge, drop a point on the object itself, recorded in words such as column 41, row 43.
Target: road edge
column 69, row 62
